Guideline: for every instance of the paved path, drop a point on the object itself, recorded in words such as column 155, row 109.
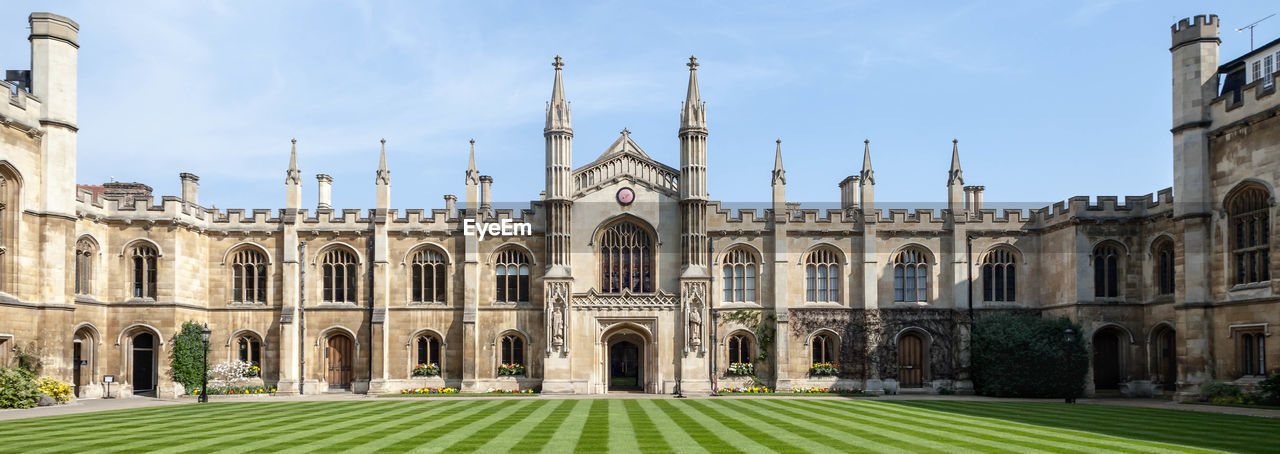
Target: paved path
column 93, row 405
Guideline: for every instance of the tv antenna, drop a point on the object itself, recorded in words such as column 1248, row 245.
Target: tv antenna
column 1250, row 27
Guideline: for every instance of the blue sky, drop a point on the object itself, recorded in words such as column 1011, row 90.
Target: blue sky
column 1048, row 99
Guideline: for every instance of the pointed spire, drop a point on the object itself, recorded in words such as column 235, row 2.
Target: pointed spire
column 693, row 113
column 868, row 176
column 558, row 117
column 383, row 175
column 473, row 175
column 779, row 174
column 293, row 175
column 955, row 176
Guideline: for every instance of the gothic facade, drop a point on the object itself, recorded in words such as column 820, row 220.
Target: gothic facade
column 629, row 277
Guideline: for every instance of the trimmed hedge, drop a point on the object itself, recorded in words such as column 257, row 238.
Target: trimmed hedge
column 187, row 356
column 1027, row 356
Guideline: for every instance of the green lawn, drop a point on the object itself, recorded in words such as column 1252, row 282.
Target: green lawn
column 692, row 425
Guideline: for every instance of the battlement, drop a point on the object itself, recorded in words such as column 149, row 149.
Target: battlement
column 1199, row 28
column 1106, row 207
column 22, row 112
column 1239, row 103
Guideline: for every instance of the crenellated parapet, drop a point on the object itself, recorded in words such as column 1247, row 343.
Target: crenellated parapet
column 1105, row 208
column 1243, row 105
column 22, row 112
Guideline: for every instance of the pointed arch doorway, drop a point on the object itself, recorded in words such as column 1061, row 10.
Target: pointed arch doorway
column 144, row 364
column 627, row 360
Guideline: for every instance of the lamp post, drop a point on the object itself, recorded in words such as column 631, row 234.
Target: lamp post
column 715, row 384
column 204, row 377
column 1068, row 337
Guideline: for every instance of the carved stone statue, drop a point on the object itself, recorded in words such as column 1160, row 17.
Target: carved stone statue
column 557, row 325
column 695, row 324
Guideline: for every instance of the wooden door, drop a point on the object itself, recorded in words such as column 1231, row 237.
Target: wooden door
column 76, row 357
column 910, row 361
column 144, row 372
column 1106, row 361
column 1167, row 361
column 338, row 359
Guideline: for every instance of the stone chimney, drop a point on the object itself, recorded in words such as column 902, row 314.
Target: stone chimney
column 325, row 185
column 190, row 188
column 486, row 194
column 450, row 206
column 849, row 192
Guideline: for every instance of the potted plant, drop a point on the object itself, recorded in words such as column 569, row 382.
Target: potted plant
column 742, row 369
column 510, row 369
column 426, row 370
column 253, row 371
column 824, row 369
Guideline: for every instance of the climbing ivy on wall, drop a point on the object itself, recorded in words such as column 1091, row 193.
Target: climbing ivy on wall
column 759, row 324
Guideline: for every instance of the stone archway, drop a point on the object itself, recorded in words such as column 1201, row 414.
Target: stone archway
column 1164, row 357
column 84, row 362
column 628, row 360
column 1107, row 358
column 144, row 349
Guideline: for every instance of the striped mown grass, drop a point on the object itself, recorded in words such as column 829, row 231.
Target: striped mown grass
column 626, row 425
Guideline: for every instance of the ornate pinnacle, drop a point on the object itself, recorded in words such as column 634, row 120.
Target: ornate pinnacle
column 693, row 63
column 559, row 63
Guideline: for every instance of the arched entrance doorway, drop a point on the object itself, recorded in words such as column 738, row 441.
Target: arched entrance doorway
column 338, row 359
column 910, row 360
column 624, row 366
column 1164, row 362
column 627, row 360
column 84, row 352
column 144, row 364
column 1106, row 359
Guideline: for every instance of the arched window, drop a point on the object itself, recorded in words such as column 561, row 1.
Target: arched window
column 1253, row 351
column 512, row 271
column 143, row 258
column 513, row 349
column 739, row 275
column 911, row 276
column 823, row 348
column 822, row 276
column 626, row 256
column 85, row 251
column 249, row 349
column 1106, row 270
column 1163, row 251
column 428, row 274
column 249, row 276
column 338, row 268
column 1250, row 235
column 427, row 350
column 739, row 349
column 999, row 272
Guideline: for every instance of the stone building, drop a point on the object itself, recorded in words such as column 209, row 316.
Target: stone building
column 629, row 277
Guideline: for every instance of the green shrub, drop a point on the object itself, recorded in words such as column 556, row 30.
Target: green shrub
column 18, row 388
column 1218, row 392
column 1027, row 356
column 187, row 356
column 58, row 390
column 1270, row 390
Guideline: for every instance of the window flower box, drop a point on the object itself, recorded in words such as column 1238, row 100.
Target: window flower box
column 426, row 370
column 742, row 369
column 824, row 369
column 510, row 369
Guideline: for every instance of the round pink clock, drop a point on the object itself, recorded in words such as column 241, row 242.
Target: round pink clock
column 626, row 196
